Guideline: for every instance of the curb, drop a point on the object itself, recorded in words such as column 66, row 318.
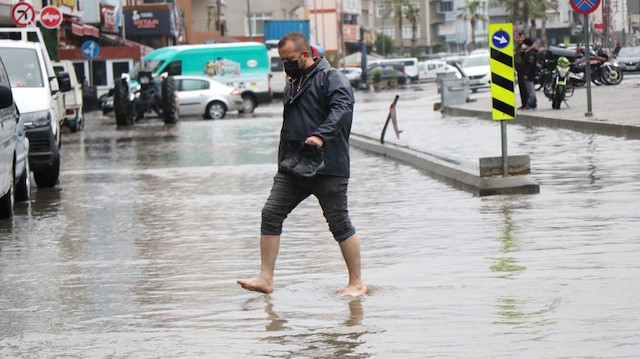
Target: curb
column 448, row 170
column 598, row 128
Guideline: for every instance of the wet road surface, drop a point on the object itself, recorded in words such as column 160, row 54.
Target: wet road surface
column 136, row 252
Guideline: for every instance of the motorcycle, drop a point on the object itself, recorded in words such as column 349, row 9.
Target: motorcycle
column 603, row 71
column 560, row 88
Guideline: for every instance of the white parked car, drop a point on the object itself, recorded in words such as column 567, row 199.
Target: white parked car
column 207, row 97
column 477, row 68
column 354, row 74
column 427, row 70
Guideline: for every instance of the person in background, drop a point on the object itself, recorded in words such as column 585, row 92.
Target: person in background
column 529, row 59
column 517, row 58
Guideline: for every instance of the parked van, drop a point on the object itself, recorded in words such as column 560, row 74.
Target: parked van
column 38, row 93
column 73, row 117
column 278, row 76
column 428, row 69
column 410, row 66
column 244, row 65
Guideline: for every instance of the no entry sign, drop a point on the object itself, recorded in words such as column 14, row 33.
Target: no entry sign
column 585, row 6
column 50, row 17
column 23, row 14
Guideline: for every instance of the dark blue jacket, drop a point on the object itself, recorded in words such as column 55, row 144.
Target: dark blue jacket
column 323, row 106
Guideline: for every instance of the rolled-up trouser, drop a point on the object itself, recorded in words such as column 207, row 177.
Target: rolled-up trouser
column 288, row 191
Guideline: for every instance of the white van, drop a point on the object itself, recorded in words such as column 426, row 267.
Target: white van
column 278, row 76
column 37, row 93
column 428, row 69
column 410, row 66
column 73, row 117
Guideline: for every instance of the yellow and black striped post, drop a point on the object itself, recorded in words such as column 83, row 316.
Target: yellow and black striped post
column 503, row 97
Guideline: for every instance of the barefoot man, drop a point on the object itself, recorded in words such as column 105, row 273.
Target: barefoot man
column 313, row 159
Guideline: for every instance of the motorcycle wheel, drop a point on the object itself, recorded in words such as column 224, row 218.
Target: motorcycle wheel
column 558, row 97
column 121, row 105
column 169, row 101
column 612, row 77
column 548, row 89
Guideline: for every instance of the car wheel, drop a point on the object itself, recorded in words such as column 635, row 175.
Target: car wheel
column 249, row 103
column 6, row 202
column 48, row 178
column 215, row 110
column 23, row 187
column 169, row 100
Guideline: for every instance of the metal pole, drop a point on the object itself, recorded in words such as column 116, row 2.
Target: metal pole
column 249, row 17
column 342, row 30
column 324, row 40
column 315, row 15
column 587, row 53
column 505, row 157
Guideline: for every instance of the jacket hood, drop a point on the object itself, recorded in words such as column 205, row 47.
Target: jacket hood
column 321, row 65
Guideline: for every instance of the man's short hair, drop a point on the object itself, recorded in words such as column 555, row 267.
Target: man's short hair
column 528, row 41
column 300, row 42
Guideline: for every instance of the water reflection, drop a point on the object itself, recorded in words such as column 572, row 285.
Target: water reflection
column 507, row 266
column 343, row 340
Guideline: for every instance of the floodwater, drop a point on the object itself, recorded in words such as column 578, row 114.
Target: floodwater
column 136, row 252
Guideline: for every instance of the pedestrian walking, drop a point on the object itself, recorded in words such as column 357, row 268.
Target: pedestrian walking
column 518, row 63
column 313, row 159
column 529, row 68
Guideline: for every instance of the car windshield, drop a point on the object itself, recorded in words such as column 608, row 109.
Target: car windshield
column 23, row 67
column 149, row 65
column 629, row 52
column 475, row 61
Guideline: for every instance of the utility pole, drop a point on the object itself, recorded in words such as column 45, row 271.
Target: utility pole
column 218, row 11
column 342, row 30
column 315, row 15
column 249, row 17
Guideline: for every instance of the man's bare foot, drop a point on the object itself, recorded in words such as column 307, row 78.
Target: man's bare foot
column 353, row 291
column 256, row 285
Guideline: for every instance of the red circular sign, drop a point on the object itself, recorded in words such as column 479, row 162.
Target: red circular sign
column 585, row 6
column 50, row 17
column 23, row 14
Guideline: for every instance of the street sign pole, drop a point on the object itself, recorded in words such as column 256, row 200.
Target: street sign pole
column 587, row 52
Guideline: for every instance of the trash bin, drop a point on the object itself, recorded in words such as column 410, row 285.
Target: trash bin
column 90, row 99
column 441, row 76
column 454, row 91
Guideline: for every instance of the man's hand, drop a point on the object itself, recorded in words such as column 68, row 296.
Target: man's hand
column 314, row 140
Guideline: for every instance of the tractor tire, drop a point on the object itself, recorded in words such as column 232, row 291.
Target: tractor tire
column 121, row 104
column 169, row 101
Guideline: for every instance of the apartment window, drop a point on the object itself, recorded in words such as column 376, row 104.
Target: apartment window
column 381, row 11
column 99, row 73
column 446, row 6
column 257, row 23
column 388, row 31
column 118, row 68
column 408, row 34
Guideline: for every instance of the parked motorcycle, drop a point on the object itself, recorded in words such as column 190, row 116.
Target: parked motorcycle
column 561, row 85
column 603, row 70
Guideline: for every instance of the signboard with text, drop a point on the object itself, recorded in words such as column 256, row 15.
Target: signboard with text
column 148, row 22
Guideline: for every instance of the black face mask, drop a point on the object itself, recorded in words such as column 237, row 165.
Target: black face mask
column 292, row 68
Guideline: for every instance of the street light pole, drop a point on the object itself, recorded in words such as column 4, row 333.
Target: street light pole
column 249, row 17
column 342, row 30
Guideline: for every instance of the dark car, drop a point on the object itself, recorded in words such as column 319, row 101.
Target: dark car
column 629, row 58
column 388, row 71
column 14, row 152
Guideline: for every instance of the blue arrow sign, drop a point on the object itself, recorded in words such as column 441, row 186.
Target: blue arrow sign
column 90, row 49
column 500, row 39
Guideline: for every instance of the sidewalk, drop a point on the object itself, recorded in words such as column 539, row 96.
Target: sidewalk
column 616, row 110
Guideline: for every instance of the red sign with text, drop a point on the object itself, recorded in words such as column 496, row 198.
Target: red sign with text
column 51, row 17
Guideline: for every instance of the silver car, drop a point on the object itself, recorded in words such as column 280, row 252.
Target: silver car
column 207, row 97
column 629, row 58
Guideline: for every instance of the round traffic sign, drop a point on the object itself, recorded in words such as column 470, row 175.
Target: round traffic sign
column 23, row 14
column 90, row 49
column 585, row 6
column 50, row 17
column 500, row 39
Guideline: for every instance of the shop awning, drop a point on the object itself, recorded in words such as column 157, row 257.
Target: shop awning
column 81, row 29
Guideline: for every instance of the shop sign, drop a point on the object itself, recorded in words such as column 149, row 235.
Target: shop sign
column 108, row 19
column 147, row 22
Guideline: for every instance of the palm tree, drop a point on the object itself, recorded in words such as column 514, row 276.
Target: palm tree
column 412, row 14
column 472, row 12
column 397, row 6
column 539, row 11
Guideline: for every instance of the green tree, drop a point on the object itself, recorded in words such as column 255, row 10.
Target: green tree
column 412, row 13
column 472, row 12
column 384, row 44
column 398, row 6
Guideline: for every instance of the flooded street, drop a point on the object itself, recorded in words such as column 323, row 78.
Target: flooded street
column 136, row 252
